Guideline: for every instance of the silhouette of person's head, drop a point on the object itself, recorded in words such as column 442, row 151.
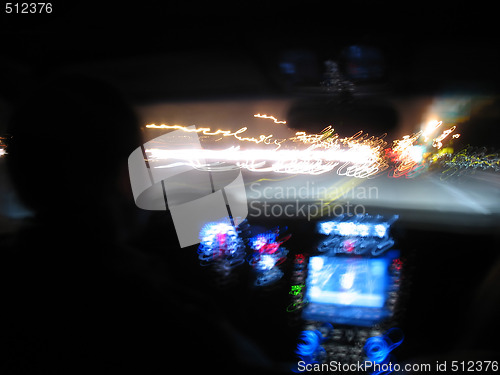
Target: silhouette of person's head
column 70, row 139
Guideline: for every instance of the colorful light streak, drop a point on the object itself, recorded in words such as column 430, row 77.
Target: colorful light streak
column 276, row 121
column 266, row 139
column 468, row 160
column 358, row 160
column 360, row 156
column 357, row 156
column 412, row 154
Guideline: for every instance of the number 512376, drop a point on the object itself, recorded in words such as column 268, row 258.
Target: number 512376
column 28, row 8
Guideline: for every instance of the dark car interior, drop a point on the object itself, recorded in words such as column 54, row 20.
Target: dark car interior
column 379, row 266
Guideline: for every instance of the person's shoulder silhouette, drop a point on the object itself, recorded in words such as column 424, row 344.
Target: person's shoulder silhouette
column 77, row 295
column 78, row 300
column 69, row 138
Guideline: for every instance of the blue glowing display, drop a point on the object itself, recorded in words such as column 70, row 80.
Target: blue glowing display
column 348, row 290
column 347, row 281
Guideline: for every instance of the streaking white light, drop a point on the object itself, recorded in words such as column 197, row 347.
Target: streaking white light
column 276, row 121
column 309, row 161
column 430, row 128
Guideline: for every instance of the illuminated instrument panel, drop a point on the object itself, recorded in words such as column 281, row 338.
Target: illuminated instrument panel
column 351, row 292
column 343, row 291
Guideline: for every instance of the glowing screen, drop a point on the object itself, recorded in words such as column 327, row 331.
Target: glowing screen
column 348, row 281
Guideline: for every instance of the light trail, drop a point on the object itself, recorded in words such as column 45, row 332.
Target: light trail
column 307, row 161
column 276, row 121
column 360, row 155
column 266, row 139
